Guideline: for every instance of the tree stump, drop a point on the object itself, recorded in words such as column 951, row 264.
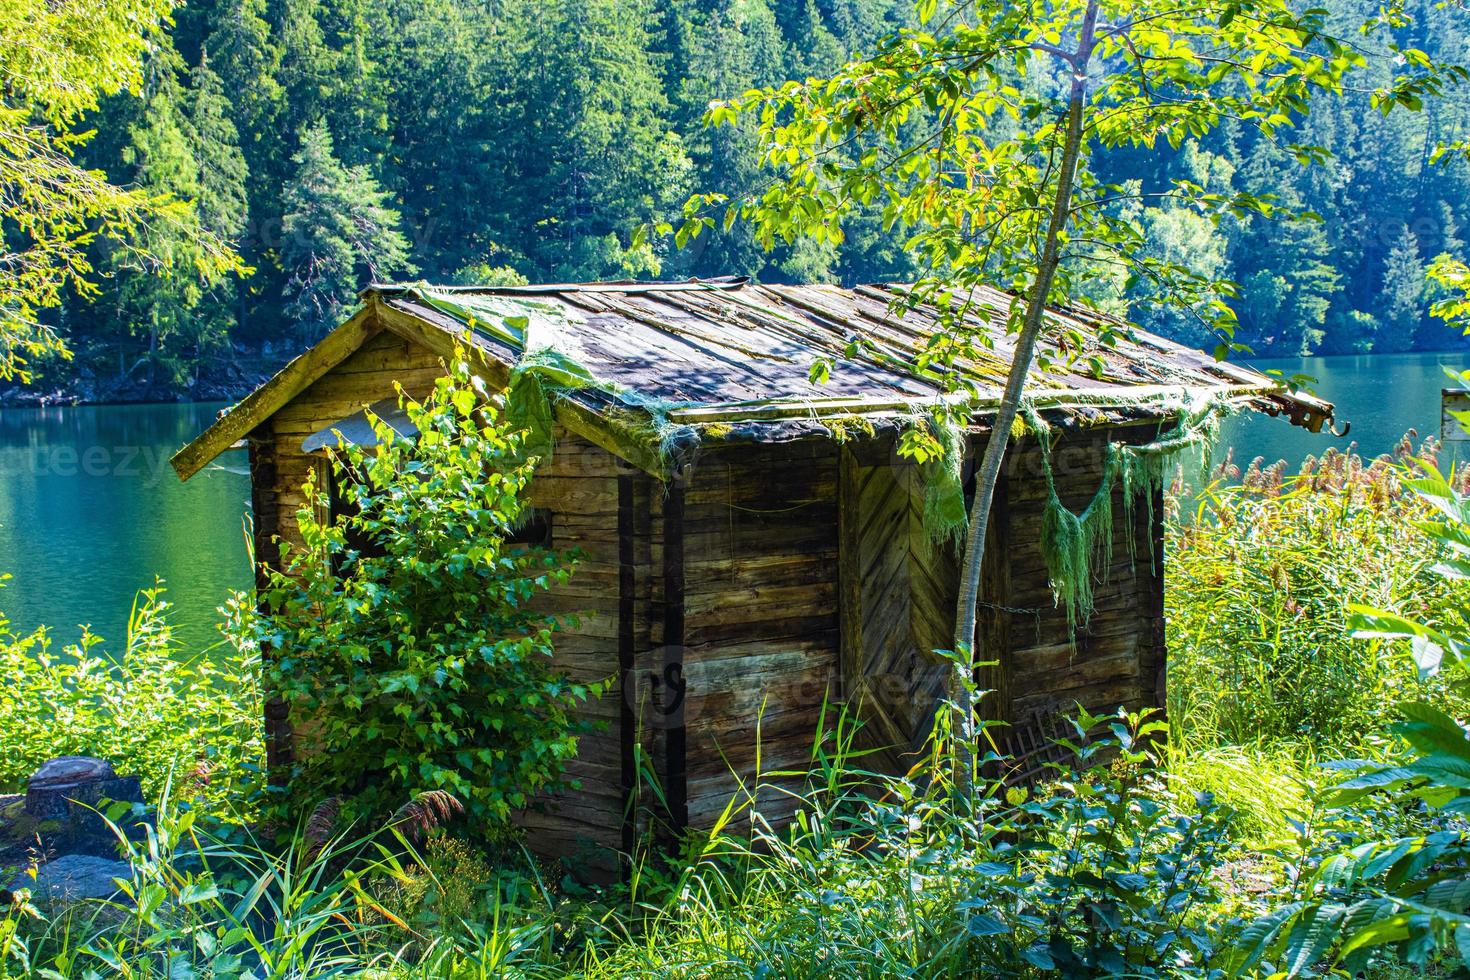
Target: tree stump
column 67, row 793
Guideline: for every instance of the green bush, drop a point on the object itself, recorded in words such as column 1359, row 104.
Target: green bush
column 403, row 635
column 1260, row 578
column 153, row 712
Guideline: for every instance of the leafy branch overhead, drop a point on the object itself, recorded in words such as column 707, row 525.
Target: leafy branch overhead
column 954, row 134
column 59, row 60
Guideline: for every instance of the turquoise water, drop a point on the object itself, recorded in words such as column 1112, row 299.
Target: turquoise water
column 91, row 512
column 1381, row 395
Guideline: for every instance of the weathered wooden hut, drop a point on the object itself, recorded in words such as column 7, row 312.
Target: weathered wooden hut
column 754, row 542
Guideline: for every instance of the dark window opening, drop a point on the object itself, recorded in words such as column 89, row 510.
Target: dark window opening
column 534, row 530
column 341, row 505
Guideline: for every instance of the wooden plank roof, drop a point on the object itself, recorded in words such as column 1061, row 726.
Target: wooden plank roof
column 719, row 351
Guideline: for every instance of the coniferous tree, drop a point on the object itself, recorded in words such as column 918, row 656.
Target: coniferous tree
column 813, row 48
column 163, row 311
column 222, row 200
column 307, row 70
column 247, row 62
column 594, row 154
column 728, row 47
column 356, row 107
column 1402, row 301
column 453, row 114
column 1288, row 286
column 338, row 231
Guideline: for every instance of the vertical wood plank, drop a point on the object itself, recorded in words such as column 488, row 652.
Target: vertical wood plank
column 627, row 637
column 850, row 576
column 265, row 519
column 676, row 776
column 1155, row 639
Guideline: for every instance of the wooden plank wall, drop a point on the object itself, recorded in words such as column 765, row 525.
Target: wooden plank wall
column 600, row 510
column 1118, row 655
column 760, row 643
column 363, row 378
column 898, row 596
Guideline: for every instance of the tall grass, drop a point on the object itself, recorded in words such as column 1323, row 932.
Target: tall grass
column 1105, row 873
column 1259, row 578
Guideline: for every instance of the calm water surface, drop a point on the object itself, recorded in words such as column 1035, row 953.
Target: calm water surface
column 1382, row 395
column 90, row 511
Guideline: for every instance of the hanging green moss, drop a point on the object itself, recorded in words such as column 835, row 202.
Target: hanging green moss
column 1078, row 547
column 945, row 517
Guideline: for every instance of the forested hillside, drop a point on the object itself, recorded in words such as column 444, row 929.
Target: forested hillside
column 341, row 140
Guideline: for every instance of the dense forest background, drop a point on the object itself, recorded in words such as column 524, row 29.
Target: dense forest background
column 491, row 141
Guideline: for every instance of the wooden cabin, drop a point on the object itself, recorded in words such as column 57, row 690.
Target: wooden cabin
column 762, row 550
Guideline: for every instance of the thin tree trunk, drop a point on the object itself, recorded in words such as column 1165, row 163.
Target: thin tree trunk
column 967, row 618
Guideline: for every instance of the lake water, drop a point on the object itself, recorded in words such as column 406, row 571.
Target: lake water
column 1381, row 395
column 91, row 512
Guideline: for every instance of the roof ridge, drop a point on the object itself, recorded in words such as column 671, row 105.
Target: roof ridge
column 535, row 289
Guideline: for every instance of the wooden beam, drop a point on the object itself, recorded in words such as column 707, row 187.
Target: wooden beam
column 819, row 408
column 279, row 739
column 676, row 765
column 627, row 677
column 241, row 419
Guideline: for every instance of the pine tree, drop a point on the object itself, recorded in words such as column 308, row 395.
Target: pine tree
column 356, row 109
column 1402, row 295
column 246, row 59
column 308, row 67
column 338, row 229
column 813, row 48
column 607, row 159
column 160, row 313
column 1287, row 284
column 457, row 83
column 222, row 200
column 730, row 47
column 1449, row 231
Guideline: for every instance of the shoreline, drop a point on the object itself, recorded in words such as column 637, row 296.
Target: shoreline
column 219, row 380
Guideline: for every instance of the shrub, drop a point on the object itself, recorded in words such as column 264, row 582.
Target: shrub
column 403, row 634
column 1260, row 577
column 153, row 712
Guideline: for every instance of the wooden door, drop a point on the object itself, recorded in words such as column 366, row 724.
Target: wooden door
column 898, row 592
